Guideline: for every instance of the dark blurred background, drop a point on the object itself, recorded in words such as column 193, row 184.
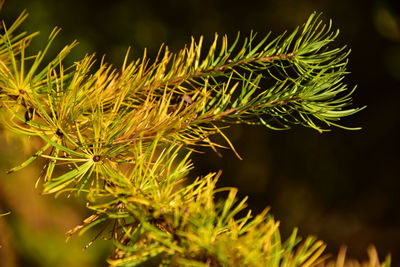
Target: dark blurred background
column 342, row 186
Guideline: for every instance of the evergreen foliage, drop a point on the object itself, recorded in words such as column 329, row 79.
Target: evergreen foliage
column 123, row 138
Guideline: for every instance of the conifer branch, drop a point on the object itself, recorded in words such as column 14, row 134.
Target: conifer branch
column 127, row 136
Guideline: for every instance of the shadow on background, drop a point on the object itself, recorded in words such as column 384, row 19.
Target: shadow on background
column 341, row 186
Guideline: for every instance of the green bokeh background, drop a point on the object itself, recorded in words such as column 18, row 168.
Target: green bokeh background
column 342, row 186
